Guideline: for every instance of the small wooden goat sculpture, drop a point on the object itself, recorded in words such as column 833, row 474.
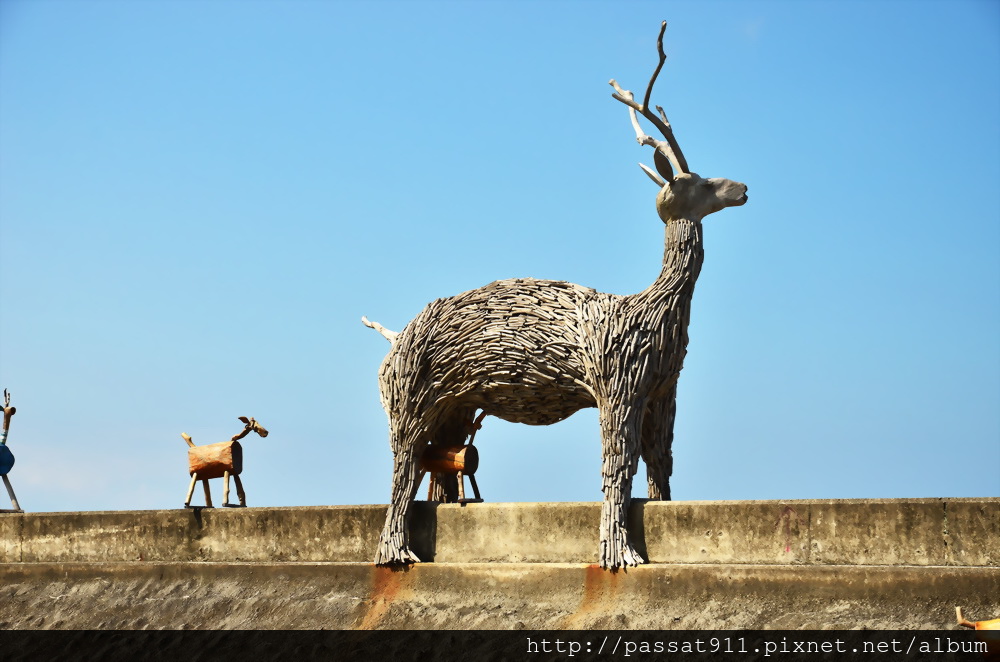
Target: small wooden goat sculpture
column 536, row 351
column 220, row 460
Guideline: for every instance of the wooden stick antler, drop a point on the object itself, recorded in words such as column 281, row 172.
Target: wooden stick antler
column 8, row 412
column 668, row 152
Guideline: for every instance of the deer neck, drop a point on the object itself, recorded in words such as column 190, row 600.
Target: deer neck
column 683, row 254
column 661, row 313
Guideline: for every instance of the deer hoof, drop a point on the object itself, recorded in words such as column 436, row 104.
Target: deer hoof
column 626, row 557
column 396, row 557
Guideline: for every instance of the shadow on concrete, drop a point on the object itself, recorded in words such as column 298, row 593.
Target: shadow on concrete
column 423, row 529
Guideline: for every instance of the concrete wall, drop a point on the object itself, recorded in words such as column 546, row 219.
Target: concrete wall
column 874, row 564
column 490, row 596
column 924, row 532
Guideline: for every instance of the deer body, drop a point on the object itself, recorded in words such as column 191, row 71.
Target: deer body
column 492, row 348
column 536, row 351
column 552, row 341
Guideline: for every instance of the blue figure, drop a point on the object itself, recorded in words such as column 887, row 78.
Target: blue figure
column 6, row 457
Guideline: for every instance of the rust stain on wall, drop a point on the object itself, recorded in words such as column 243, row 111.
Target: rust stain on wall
column 386, row 585
column 599, row 589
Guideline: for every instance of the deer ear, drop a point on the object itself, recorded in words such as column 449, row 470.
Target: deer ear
column 662, row 164
column 652, row 175
column 245, row 420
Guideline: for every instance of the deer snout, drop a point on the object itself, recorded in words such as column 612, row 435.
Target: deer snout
column 733, row 194
column 743, row 199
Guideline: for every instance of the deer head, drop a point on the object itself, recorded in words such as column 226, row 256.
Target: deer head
column 685, row 194
column 689, row 196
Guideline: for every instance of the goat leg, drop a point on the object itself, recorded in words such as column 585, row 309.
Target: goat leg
column 194, row 479
column 208, row 493
column 239, row 490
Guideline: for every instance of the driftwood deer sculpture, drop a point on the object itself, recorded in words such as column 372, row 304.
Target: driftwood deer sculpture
column 536, row 351
column 220, row 460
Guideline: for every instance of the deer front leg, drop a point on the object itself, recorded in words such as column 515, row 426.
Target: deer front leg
column 657, row 440
column 620, row 425
column 393, row 545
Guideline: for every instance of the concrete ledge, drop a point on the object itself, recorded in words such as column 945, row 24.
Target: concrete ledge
column 876, row 564
column 921, row 532
column 334, row 533
column 488, row 596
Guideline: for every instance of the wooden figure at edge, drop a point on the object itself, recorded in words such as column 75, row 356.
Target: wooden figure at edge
column 536, row 351
column 220, row 460
column 6, row 457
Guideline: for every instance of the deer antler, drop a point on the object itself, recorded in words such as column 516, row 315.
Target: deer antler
column 8, row 412
column 668, row 152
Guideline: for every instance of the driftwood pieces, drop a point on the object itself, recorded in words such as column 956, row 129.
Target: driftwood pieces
column 6, row 457
column 221, row 460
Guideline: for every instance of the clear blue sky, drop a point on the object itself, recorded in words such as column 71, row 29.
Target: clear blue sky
column 198, row 202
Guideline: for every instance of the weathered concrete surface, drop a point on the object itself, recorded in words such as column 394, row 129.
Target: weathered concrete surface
column 879, row 564
column 334, row 533
column 947, row 532
column 488, row 596
column 863, row 531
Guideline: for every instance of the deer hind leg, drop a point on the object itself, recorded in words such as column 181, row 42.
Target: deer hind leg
column 393, row 545
column 657, row 440
column 445, row 489
column 620, row 425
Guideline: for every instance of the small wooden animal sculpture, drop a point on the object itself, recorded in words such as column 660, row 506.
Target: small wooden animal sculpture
column 448, row 466
column 6, row 457
column 220, row 460
column 536, row 351
column 993, row 624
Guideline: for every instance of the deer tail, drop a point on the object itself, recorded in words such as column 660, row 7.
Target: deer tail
column 389, row 335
